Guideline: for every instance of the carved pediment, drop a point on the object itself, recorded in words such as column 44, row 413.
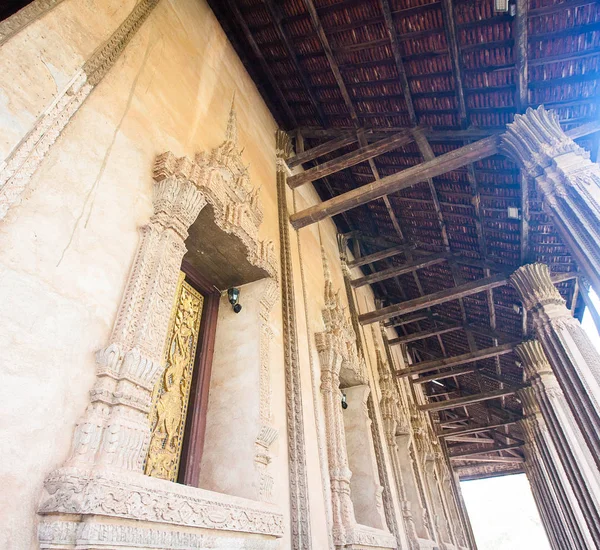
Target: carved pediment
column 235, row 208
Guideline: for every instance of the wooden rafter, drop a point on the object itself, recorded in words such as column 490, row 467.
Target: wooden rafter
column 436, row 298
column 468, row 399
column 453, row 373
column 395, row 271
column 520, row 53
column 320, row 150
column 457, row 360
column 425, row 334
column 381, row 255
column 351, row 159
column 261, row 59
column 477, row 429
column 396, row 182
column 498, row 449
column 450, row 28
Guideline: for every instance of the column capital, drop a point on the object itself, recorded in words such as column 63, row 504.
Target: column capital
column 534, row 359
column 535, row 287
column 535, row 138
column 528, row 399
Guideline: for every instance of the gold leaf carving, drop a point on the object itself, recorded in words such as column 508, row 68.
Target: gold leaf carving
column 172, row 391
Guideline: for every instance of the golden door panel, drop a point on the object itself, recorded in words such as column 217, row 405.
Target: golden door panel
column 171, row 394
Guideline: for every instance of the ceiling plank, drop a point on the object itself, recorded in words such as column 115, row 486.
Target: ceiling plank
column 456, row 360
column 351, row 159
column 395, row 182
column 468, row 399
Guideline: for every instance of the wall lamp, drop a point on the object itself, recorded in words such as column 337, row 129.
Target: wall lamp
column 234, row 298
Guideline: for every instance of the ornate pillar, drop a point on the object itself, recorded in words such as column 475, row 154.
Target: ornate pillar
column 577, row 461
column 573, row 357
column 114, row 431
column 551, row 517
column 392, row 422
column 544, row 454
column 567, row 180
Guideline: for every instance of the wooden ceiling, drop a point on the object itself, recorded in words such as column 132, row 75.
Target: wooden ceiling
column 435, row 76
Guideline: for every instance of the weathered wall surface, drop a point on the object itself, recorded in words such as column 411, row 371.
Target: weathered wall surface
column 66, row 250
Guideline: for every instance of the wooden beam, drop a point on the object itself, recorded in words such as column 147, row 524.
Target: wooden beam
column 233, row 8
column 316, row 22
column 468, row 399
column 395, row 182
column 351, row 159
column 485, row 451
column 444, row 374
column 454, row 51
column 424, row 334
column 520, row 53
column 396, row 271
column 499, row 459
column 478, row 429
column 454, row 421
column 382, row 255
column 396, row 50
column 429, row 300
column 416, row 317
column 320, row 150
column 456, row 360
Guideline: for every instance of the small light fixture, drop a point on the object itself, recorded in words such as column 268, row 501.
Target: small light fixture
column 344, row 401
column 234, row 298
column 501, row 5
column 513, row 213
column 517, row 308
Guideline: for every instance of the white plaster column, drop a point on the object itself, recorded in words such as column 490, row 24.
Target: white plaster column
column 114, row 430
column 572, row 356
column 578, row 463
column 567, row 180
column 543, row 450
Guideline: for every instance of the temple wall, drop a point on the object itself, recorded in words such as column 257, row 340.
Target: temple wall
column 67, row 247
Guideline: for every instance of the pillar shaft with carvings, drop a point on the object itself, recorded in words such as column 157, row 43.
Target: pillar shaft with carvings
column 542, row 450
column 572, row 355
column 578, row 463
column 567, row 180
column 115, row 431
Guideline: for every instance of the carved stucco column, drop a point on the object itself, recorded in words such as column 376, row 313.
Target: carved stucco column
column 339, row 472
column 573, row 357
column 567, row 180
column 577, row 461
column 392, row 424
column 542, row 449
column 114, row 431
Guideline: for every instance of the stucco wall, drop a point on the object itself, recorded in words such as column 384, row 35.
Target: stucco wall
column 66, row 249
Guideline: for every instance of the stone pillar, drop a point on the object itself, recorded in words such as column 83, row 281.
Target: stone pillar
column 114, row 431
column 577, row 461
column 567, row 180
column 545, row 457
column 552, row 520
column 572, row 356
